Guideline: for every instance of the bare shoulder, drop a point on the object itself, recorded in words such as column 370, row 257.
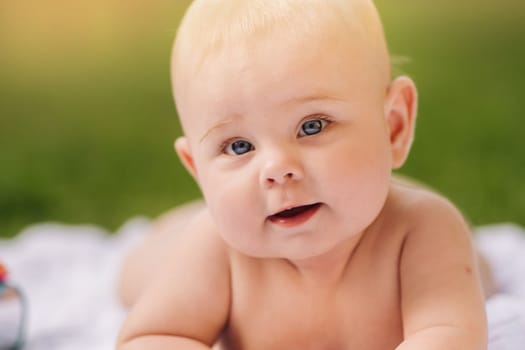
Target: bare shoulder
column 420, row 207
column 188, row 232
column 428, row 226
column 434, row 229
column 202, row 232
column 438, row 272
column 190, row 293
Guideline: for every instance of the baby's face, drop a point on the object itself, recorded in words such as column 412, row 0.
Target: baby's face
column 289, row 145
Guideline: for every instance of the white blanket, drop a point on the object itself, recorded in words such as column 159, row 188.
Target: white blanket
column 69, row 272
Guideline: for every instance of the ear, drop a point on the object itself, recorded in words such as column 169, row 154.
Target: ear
column 400, row 115
column 182, row 147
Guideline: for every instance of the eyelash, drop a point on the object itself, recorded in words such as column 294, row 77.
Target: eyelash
column 229, row 142
column 326, row 122
column 323, row 118
column 226, row 143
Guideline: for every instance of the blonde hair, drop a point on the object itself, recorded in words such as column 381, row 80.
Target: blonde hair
column 211, row 25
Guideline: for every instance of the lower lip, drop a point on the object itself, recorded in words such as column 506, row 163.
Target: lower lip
column 297, row 219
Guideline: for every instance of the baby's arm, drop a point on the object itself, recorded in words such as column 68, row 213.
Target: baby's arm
column 187, row 304
column 441, row 297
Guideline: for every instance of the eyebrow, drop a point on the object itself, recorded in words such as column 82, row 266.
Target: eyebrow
column 314, row 97
column 320, row 95
column 215, row 127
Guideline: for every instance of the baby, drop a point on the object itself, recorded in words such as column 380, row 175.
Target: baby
column 292, row 127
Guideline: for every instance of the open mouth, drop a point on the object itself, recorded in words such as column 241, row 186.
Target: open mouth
column 295, row 216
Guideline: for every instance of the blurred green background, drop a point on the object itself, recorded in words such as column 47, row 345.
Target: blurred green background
column 87, row 121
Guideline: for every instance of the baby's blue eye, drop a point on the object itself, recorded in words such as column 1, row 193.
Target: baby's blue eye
column 238, row 148
column 312, row 127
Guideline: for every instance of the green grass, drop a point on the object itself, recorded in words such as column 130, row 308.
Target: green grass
column 88, row 137
column 469, row 65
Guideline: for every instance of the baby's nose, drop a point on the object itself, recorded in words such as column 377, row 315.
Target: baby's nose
column 279, row 170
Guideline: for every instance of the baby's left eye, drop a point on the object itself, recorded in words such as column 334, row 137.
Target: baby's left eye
column 312, row 127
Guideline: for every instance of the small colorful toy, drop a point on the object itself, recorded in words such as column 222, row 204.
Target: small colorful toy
column 3, row 273
column 10, row 294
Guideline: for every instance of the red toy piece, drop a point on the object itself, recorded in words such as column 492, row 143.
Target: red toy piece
column 3, row 273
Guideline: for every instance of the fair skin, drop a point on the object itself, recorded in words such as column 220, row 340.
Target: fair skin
column 360, row 262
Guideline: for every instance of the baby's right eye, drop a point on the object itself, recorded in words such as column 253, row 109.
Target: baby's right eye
column 239, row 147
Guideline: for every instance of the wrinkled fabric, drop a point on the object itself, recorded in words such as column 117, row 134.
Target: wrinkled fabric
column 68, row 274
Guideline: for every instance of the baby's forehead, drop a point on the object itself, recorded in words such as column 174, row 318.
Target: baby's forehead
column 212, row 26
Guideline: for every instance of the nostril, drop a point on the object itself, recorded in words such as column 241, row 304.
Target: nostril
column 284, row 177
column 279, row 173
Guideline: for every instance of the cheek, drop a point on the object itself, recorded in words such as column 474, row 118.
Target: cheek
column 358, row 161
column 226, row 195
column 358, row 178
column 233, row 204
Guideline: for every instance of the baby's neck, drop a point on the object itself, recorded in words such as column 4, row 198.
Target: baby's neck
column 329, row 268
